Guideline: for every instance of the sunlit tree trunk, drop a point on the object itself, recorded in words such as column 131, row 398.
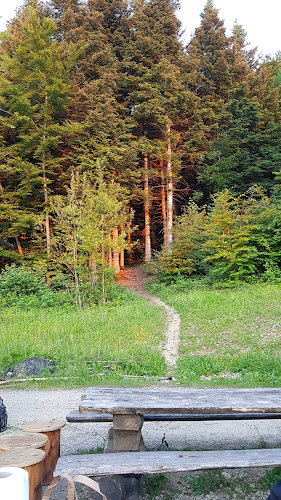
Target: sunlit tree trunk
column 169, row 187
column 122, row 259
column 102, row 247
column 147, row 254
column 110, row 257
column 116, row 263
column 163, row 204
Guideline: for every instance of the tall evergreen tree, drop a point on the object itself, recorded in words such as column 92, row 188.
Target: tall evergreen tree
column 152, row 90
column 34, row 92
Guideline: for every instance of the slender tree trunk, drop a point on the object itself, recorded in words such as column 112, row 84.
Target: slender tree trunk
column 75, row 267
column 102, row 248
column 147, row 253
column 45, row 189
column 93, row 270
column 10, row 217
column 129, row 240
column 116, row 263
column 122, row 259
column 18, row 244
column 47, row 217
column 129, row 249
column 110, row 255
column 169, row 187
column 163, row 204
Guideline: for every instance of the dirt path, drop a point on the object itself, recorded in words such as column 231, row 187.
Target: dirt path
column 134, row 278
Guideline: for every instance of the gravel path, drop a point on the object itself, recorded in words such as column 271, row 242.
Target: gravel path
column 135, row 279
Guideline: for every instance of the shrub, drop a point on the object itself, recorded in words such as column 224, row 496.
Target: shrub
column 26, row 289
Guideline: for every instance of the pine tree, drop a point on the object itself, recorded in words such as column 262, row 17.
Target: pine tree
column 34, row 94
column 152, row 90
column 214, row 67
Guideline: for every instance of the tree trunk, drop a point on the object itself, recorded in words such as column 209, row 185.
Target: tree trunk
column 129, row 240
column 163, row 204
column 169, row 187
column 147, row 254
column 75, row 267
column 116, row 264
column 10, row 217
column 122, row 259
column 102, row 247
column 18, row 244
column 47, row 218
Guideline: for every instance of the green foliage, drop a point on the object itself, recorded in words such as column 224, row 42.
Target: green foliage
column 238, row 239
column 154, row 485
column 23, row 288
column 84, row 224
column 247, row 150
column 124, row 335
column 271, row 477
column 188, row 236
column 230, row 336
column 206, row 482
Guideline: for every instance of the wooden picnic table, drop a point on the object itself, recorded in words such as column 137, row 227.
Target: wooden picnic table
column 129, row 405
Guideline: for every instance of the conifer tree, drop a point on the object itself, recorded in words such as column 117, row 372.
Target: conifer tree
column 34, row 93
column 152, row 83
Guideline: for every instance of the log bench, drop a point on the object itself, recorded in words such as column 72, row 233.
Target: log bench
column 156, row 462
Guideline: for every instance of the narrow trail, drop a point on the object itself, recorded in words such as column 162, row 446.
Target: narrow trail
column 135, row 279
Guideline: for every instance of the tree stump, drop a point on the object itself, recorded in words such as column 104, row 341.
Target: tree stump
column 51, row 428
column 23, row 440
column 30, row 460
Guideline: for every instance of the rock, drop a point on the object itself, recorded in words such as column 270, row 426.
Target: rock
column 113, row 488
column 30, row 367
column 226, row 476
column 132, row 484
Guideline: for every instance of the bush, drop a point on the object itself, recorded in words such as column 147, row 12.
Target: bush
column 26, row 289
column 237, row 240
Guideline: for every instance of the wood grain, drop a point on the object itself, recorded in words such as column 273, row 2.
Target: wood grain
column 180, row 400
column 171, row 461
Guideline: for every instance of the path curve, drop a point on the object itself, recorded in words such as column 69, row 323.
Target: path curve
column 134, row 278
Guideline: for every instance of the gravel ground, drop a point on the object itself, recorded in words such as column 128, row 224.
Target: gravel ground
column 27, row 404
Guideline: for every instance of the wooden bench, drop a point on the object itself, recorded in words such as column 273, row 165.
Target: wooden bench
column 155, row 462
column 76, row 417
column 129, row 407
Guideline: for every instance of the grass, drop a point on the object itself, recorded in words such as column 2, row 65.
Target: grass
column 128, row 335
column 229, row 337
column 231, row 484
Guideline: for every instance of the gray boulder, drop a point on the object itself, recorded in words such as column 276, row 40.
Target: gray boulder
column 31, row 367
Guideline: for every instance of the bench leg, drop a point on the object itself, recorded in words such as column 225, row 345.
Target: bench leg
column 125, row 434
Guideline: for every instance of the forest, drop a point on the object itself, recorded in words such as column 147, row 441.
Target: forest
column 120, row 144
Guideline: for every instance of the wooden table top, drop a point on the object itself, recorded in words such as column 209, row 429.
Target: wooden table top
column 180, row 400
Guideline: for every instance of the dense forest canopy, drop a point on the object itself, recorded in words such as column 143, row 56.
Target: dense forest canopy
column 117, row 140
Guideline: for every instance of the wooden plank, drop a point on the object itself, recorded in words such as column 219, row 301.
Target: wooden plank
column 180, row 400
column 76, row 416
column 171, row 461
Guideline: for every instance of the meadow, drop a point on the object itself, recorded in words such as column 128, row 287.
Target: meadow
column 229, row 337
column 111, row 339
